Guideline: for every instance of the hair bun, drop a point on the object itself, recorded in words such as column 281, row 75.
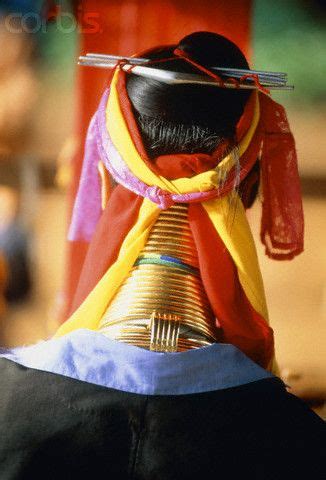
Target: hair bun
column 213, row 110
column 212, row 49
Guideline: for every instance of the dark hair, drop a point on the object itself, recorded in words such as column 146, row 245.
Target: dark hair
column 188, row 118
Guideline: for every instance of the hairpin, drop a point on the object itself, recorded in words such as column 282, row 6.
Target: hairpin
column 232, row 77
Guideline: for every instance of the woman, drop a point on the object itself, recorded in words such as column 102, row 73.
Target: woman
column 165, row 367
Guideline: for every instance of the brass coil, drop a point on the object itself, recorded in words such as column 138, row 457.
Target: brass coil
column 165, row 279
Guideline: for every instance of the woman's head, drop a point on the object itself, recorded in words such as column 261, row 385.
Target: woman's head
column 188, row 118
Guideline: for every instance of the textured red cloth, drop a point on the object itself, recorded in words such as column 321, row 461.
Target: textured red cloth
column 188, row 165
column 282, row 225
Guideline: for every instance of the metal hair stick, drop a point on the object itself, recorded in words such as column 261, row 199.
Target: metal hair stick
column 171, row 77
column 117, row 58
column 264, row 77
column 141, row 61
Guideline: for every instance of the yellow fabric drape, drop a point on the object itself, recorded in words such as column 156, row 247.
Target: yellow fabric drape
column 227, row 214
column 92, row 309
column 229, row 218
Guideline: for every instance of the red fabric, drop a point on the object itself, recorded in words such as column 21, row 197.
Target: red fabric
column 241, row 324
column 282, row 225
column 118, row 217
column 186, row 165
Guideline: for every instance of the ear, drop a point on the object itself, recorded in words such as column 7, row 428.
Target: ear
column 105, row 184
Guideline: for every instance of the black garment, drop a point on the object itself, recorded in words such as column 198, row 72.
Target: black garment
column 54, row 427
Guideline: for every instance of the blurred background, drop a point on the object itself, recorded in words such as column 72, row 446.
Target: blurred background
column 46, row 102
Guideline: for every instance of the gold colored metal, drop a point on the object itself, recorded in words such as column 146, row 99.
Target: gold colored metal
column 163, row 306
column 164, row 330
